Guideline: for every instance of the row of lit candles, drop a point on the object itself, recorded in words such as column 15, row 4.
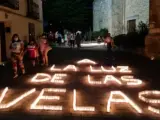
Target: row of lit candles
column 59, row 79
column 102, row 69
column 111, row 100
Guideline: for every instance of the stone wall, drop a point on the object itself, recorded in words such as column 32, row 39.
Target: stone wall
column 117, row 17
column 101, row 10
column 136, row 9
column 114, row 14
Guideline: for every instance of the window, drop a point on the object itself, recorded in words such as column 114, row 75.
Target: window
column 131, row 25
column 31, row 28
column 33, row 9
column 14, row 4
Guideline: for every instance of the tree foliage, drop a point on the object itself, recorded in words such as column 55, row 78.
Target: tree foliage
column 72, row 13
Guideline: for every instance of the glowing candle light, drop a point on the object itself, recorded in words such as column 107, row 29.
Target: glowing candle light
column 113, row 70
column 82, row 108
column 86, row 61
column 93, row 82
column 15, row 101
column 42, row 97
column 94, row 70
column 149, row 100
column 124, row 100
column 70, row 67
column 55, row 69
column 41, row 77
column 58, row 78
column 124, row 69
column 111, row 78
column 154, row 110
column 131, row 81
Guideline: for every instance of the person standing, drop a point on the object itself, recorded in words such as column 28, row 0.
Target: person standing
column 72, row 39
column 56, row 36
column 17, row 53
column 78, row 40
column 109, row 42
column 59, row 39
column 32, row 51
column 44, row 49
column 65, row 39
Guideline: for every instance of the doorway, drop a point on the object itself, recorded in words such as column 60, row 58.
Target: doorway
column 131, row 25
column 2, row 42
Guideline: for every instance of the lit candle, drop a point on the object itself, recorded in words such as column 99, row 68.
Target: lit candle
column 124, row 69
column 42, row 97
column 41, row 77
column 124, row 100
column 86, row 61
column 80, row 108
column 70, row 68
column 15, row 101
column 131, row 81
column 111, row 78
column 58, row 78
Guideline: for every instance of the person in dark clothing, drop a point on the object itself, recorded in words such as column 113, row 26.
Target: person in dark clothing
column 109, row 51
column 78, row 40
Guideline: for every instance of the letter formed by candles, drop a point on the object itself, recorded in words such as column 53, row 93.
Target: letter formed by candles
column 42, row 97
column 94, row 70
column 55, row 69
column 124, row 69
column 124, row 100
column 150, row 100
column 93, row 82
column 113, row 70
column 86, row 61
column 70, row 68
column 15, row 101
column 58, row 78
column 41, row 77
column 82, row 108
column 131, row 81
column 111, row 78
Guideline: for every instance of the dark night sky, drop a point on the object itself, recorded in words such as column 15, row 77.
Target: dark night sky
column 73, row 14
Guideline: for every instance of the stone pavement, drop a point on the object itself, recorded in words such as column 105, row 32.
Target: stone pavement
column 143, row 68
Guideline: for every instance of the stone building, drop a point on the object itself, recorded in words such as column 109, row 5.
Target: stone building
column 119, row 16
column 19, row 16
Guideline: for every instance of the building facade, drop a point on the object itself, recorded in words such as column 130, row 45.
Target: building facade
column 119, row 16
column 24, row 17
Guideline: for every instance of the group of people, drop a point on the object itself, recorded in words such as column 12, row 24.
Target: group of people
column 70, row 39
column 35, row 52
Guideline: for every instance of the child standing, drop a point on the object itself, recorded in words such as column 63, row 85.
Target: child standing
column 17, row 53
column 32, row 51
column 44, row 49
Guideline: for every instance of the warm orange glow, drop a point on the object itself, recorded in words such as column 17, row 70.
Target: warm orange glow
column 111, row 78
column 124, row 100
column 70, row 68
column 124, row 69
column 55, row 69
column 149, row 93
column 41, row 77
column 94, row 70
column 15, row 101
column 93, row 82
column 42, row 97
column 154, row 110
column 82, row 108
column 131, row 81
column 113, row 69
column 58, row 78
column 86, row 61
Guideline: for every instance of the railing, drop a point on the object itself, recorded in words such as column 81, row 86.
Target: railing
column 13, row 4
